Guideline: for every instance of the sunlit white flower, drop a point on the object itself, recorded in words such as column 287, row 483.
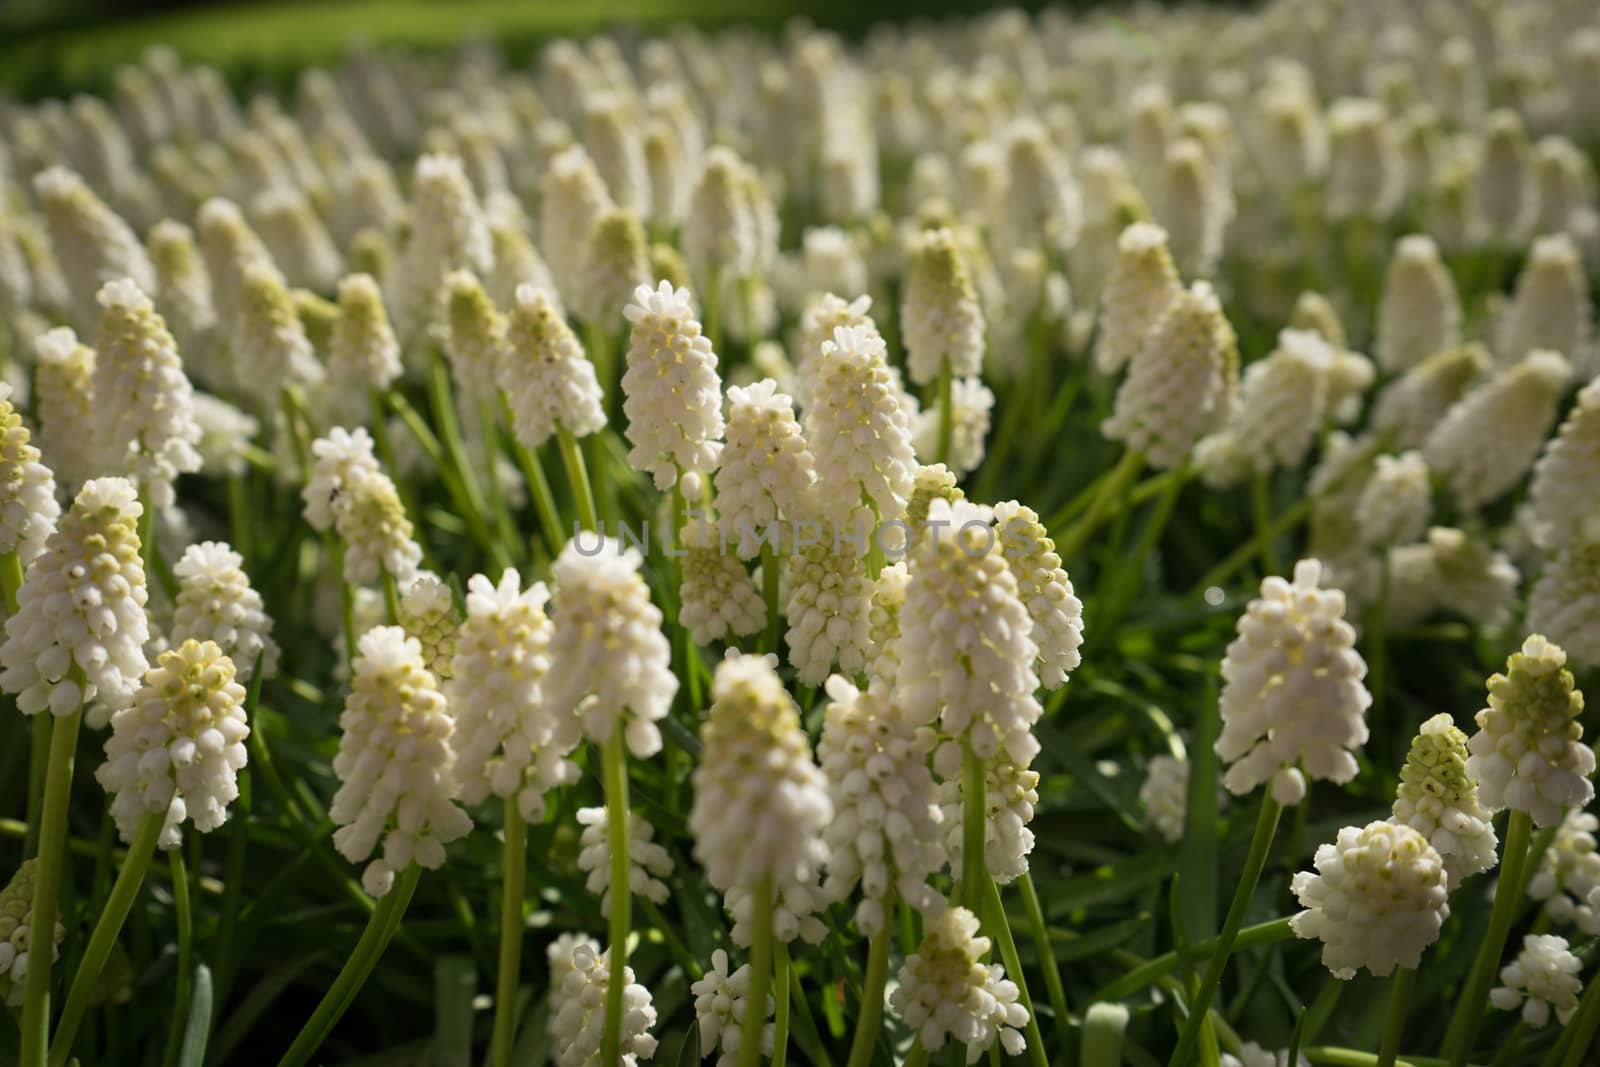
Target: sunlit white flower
column 719, row 999
column 547, row 378
column 216, row 603
column 63, row 397
column 1420, row 312
column 1045, row 589
column 28, row 508
column 648, row 862
column 1143, row 283
column 940, row 313
column 428, row 614
column 946, row 991
column 673, row 397
column 1550, row 306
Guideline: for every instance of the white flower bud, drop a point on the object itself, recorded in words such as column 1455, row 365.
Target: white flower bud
column 63, row 389
column 90, row 241
column 822, row 315
column 1292, row 691
column 231, row 249
column 270, row 348
column 297, row 238
column 1011, row 793
column 1394, row 505
column 1566, row 479
column 351, row 494
column 573, row 199
column 177, row 749
column 1454, row 570
column 16, row 925
column 1165, row 796
column 1376, row 900
column 547, row 378
column 767, row 472
column 970, row 404
column 1505, row 189
column 428, row 614
column 946, row 991
column 1528, row 754
column 395, row 763
column 82, row 607
column 363, row 354
column 1365, row 170
column 448, row 233
column 183, row 288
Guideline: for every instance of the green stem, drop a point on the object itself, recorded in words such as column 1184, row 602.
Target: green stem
column 391, row 596
column 1294, row 516
column 598, row 341
column 381, row 927
column 578, row 478
column 1581, row 1029
column 770, row 593
column 1260, row 845
column 1047, row 957
column 1349, row 1057
column 917, row 1057
column 946, row 412
column 871, row 1019
column 1469, row 1009
column 47, row 882
column 974, row 826
column 1001, row 929
column 1125, row 581
column 1125, row 471
column 780, row 983
column 104, row 937
column 615, row 759
column 512, row 885
column 544, row 501
column 455, row 454
column 240, row 522
column 755, row 1001
column 1154, row 969
column 385, row 449
column 505, row 528
column 183, row 915
column 1394, row 1028
column 1261, row 509
column 1508, row 1045
column 38, row 768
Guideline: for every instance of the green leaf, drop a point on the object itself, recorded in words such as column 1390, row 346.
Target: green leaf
column 1197, row 853
column 1103, row 1026
column 455, row 982
column 197, row 1030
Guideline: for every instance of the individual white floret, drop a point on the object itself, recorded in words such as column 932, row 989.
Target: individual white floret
column 758, row 829
column 1419, row 313
column 1515, row 409
column 1439, row 800
column 1543, row 978
column 580, row 974
column 859, row 429
column 1376, row 900
column 176, row 750
column 395, row 763
column 144, row 412
column 28, row 507
column 1044, row 588
column 616, row 664
column 1528, row 754
column 1142, row 284
column 1293, row 700
column 1568, row 877
column 719, row 999
column 216, row 603
column 548, row 380
column 648, row 862
column 886, row 834
column 78, row 636
column 508, row 740
column 1181, row 381
column 673, row 397
column 947, row 992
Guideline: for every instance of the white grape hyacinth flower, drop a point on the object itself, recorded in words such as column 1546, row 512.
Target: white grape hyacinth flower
column 1543, row 979
column 1376, row 899
column 217, row 603
column 967, row 650
column 751, row 830
column 767, row 470
column 363, row 353
column 1394, row 505
column 1045, row 588
column 970, row 405
column 144, row 404
column 859, row 429
column 580, row 975
column 717, row 597
column 616, row 663
column 548, row 380
column 1165, row 796
column 428, row 613
column 395, row 763
column 946, row 991
column 508, row 741
column 943, row 320
column 1143, row 283
column 1011, row 795
column 648, row 862
column 177, row 749
column 1419, row 313
column 886, row 833
column 719, row 1000
column 673, row 397
column 828, row 609
column 1550, row 307
column 78, row 636
column 1562, row 603
column 1566, row 479
column 1569, row 874
column 1293, row 699
column 1439, row 799
column 349, row 493
column 16, row 928
column 1254, row 1055
column 1528, row 754
column 63, row 398
column 28, row 507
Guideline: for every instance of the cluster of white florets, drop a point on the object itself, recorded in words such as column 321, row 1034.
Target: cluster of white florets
column 351, row 494
column 946, row 991
column 1439, row 799
column 1568, row 877
column 648, row 862
column 16, row 930
column 673, row 397
column 580, row 974
column 719, row 1000
column 217, row 603
column 1544, row 978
